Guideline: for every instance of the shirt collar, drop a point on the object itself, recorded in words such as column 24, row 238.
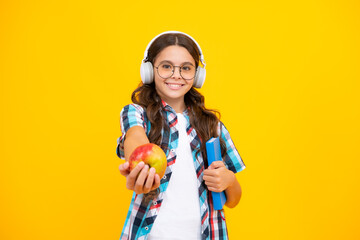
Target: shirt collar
column 168, row 108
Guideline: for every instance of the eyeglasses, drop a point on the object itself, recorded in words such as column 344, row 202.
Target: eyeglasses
column 166, row 70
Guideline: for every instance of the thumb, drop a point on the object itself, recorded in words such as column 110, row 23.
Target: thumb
column 124, row 168
column 216, row 164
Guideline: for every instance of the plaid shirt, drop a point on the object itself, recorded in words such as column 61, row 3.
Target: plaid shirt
column 141, row 216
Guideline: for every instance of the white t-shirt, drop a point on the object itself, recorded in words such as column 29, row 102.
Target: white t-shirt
column 179, row 214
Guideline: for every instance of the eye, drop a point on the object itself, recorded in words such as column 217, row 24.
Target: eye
column 187, row 68
column 166, row 66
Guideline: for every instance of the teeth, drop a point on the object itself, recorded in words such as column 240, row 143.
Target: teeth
column 174, row 85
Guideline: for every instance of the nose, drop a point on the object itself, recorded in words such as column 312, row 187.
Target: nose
column 176, row 74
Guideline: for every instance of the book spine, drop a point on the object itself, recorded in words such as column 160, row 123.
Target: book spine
column 213, row 151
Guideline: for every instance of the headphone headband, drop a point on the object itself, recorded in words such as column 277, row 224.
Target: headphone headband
column 168, row 32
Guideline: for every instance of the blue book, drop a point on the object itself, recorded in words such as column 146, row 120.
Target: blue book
column 213, row 152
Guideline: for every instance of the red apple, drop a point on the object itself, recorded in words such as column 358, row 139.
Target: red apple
column 150, row 154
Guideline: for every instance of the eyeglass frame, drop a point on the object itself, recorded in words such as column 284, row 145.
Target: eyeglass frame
column 173, row 71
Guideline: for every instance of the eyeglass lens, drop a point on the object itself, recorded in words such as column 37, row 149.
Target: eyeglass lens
column 166, row 70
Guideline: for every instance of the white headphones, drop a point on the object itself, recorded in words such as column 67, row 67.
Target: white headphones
column 147, row 69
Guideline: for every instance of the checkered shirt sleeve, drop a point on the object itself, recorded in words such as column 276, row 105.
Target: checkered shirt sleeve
column 131, row 115
column 232, row 158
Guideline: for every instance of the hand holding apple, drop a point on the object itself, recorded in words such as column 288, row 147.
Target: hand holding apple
column 152, row 155
column 140, row 179
column 138, row 176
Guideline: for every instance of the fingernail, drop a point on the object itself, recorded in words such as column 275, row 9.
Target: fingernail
column 152, row 170
column 141, row 164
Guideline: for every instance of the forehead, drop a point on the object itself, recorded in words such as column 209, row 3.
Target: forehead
column 174, row 54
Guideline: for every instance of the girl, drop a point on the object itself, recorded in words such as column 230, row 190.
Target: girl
column 167, row 110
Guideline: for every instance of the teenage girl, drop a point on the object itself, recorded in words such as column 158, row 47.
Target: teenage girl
column 167, row 110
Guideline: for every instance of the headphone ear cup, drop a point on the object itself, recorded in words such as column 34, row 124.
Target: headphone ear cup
column 147, row 72
column 199, row 77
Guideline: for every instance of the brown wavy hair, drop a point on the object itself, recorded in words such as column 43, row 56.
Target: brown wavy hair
column 205, row 121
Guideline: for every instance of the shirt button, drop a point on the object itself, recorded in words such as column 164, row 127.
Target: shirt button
column 164, row 177
column 173, row 150
column 155, row 202
column 146, row 228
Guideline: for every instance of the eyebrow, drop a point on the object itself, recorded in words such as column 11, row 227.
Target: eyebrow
column 174, row 64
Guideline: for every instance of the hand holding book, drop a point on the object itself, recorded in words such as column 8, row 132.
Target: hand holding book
column 213, row 175
column 219, row 178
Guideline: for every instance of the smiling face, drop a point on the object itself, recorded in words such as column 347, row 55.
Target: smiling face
column 173, row 89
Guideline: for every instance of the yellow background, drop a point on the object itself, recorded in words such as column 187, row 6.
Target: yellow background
column 284, row 74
